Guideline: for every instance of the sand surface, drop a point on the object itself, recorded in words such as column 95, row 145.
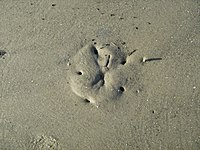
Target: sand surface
column 99, row 74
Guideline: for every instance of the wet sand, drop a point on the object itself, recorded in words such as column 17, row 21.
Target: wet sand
column 99, row 75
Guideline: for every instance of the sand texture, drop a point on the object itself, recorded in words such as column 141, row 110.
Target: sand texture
column 99, row 75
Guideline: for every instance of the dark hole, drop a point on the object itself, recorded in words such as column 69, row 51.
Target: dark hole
column 121, row 18
column 98, row 9
column 31, row 3
column 121, row 89
column 53, row 5
column 136, row 28
column 86, row 100
column 79, row 73
column 123, row 43
column 153, row 111
column 95, row 43
column 95, row 51
column 107, row 44
column 43, row 19
column 123, row 62
column 112, row 14
column 134, row 17
column 149, row 22
column 2, row 53
column 93, row 39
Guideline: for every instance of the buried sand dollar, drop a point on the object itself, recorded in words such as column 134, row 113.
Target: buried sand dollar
column 103, row 72
column 95, row 73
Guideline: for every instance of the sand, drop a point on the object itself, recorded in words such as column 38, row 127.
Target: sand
column 99, row 75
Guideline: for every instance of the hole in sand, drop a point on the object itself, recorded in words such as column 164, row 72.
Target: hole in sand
column 2, row 53
column 123, row 43
column 86, row 101
column 121, row 89
column 95, row 51
column 79, row 73
column 123, row 62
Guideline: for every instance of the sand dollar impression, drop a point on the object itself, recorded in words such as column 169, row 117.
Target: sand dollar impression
column 93, row 73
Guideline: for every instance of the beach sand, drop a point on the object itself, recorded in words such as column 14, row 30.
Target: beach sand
column 99, row 75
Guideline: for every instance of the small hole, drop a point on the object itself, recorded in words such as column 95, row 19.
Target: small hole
column 123, row 62
column 136, row 28
column 95, row 51
column 93, row 39
column 112, row 14
column 2, row 53
column 123, row 43
column 53, row 5
column 79, row 73
column 95, row 43
column 86, row 100
column 153, row 111
column 121, row 89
